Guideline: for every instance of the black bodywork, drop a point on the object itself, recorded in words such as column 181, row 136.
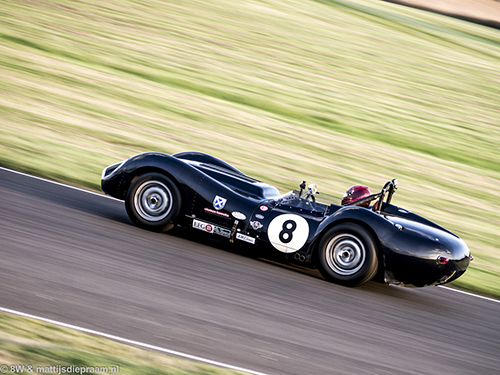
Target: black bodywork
column 221, row 201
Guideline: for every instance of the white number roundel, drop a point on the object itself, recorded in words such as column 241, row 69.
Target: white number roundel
column 288, row 232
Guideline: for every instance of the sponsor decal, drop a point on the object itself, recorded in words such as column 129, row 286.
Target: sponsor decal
column 264, row 208
column 256, row 225
column 239, row 215
column 219, row 202
column 259, row 216
column 245, row 238
column 222, row 232
column 218, row 213
column 210, row 228
column 203, row 226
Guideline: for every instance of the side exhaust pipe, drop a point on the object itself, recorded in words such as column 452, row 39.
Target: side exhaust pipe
column 299, row 257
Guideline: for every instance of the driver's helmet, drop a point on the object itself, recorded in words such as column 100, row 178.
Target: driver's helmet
column 354, row 193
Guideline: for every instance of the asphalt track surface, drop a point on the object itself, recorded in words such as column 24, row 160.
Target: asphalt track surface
column 75, row 257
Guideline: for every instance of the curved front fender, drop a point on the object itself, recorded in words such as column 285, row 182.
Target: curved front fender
column 116, row 183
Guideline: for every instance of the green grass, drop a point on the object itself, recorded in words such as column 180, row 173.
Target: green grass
column 333, row 92
column 31, row 342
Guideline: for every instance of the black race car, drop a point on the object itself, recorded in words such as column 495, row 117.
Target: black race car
column 362, row 239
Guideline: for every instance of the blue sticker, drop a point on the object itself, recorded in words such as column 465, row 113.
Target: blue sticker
column 219, row 202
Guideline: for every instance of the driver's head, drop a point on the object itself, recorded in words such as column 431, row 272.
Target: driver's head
column 354, row 193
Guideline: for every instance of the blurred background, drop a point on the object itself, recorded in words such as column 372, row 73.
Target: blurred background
column 333, row 92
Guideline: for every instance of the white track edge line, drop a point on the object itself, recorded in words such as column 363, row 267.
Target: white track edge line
column 132, row 342
column 469, row 293
column 59, row 183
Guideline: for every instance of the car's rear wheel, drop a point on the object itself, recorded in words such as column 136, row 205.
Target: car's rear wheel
column 347, row 255
column 153, row 202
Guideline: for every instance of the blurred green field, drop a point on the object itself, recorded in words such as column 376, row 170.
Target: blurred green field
column 42, row 345
column 332, row 92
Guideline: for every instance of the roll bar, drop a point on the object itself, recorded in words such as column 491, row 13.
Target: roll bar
column 389, row 188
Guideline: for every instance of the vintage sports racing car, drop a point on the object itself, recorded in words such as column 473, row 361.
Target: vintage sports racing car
column 350, row 243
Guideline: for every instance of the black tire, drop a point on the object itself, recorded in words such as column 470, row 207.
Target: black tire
column 347, row 255
column 153, row 201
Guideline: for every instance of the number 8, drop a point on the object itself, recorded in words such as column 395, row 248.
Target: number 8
column 288, row 231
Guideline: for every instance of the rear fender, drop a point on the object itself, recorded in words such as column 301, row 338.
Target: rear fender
column 366, row 218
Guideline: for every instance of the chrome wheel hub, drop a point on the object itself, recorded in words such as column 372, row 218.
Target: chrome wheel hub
column 153, row 201
column 345, row 254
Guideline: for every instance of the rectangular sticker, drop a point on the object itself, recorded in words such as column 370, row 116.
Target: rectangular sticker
column 245, row 238
column 211, row 228
column 218, row 213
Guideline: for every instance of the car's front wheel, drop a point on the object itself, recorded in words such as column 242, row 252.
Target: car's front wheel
column 153, row 202
column 347, row 255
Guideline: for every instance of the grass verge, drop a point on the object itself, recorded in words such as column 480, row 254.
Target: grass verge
column 49, row 348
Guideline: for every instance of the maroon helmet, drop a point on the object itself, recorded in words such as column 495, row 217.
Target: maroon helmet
column 354, row 193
